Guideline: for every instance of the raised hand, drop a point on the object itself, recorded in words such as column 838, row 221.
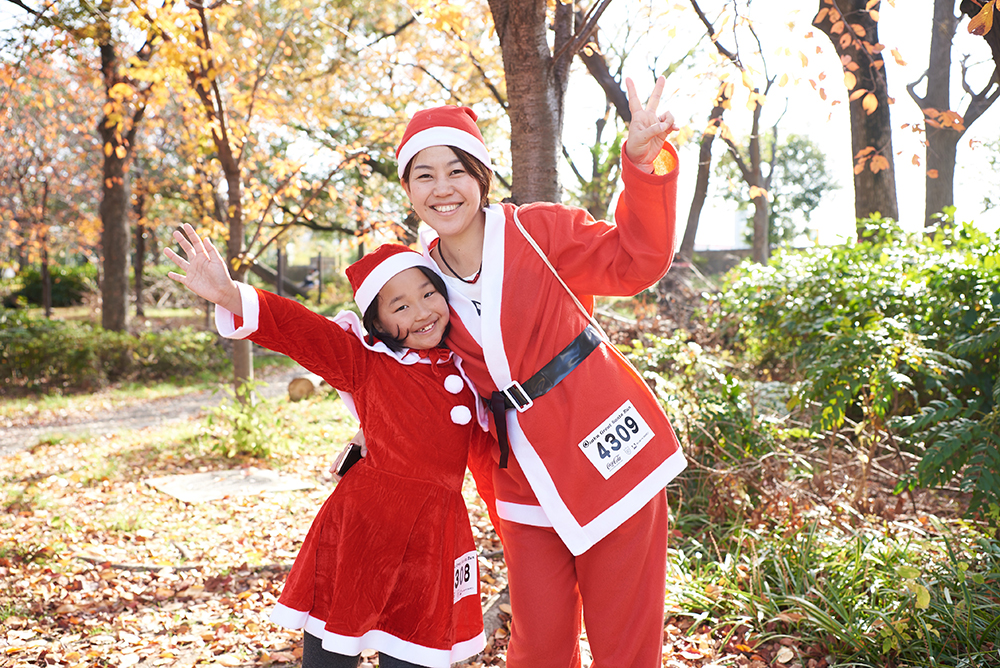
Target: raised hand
column 205, row 271
column 647, row 131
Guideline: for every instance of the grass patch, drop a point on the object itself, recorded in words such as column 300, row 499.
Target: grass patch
column 923, row 595
column 126, row 521
column 9, row 609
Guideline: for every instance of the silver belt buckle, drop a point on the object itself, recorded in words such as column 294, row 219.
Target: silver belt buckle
column 521, row 400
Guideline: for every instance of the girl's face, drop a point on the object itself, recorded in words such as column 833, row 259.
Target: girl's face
column 443, row 193
column 411, row 309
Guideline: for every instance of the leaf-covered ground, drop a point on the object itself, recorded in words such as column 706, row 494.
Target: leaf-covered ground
column 97, row 568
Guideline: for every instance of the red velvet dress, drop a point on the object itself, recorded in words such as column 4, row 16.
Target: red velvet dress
column 389, row 562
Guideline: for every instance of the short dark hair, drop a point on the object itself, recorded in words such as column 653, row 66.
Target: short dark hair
column 373, row 326
column 480, row 172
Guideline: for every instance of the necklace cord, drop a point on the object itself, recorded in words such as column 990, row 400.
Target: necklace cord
column 455, row 273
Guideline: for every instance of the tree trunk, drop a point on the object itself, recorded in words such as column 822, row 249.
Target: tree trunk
column 854, row 33
column 761, row 230
column 943, row 133
column 536, row 88
column 139, row 263
column 217, row 115
column 114, row 199
column 242, row 350
column 761, row 221
column 942, row 151
column 704, row 171
column 46, row 274
column 46, row 279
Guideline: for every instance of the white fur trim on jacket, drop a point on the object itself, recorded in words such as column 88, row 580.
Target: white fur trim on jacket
column 377, row 640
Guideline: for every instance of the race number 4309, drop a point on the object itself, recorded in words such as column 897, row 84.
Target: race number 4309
column 466, row 575
column 616, row 440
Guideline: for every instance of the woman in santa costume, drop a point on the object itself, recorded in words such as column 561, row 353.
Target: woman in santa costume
column 585, row 448
column 389, row 562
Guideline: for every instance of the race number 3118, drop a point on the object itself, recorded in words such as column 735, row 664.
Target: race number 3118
column 466, row 575
column 616, row 440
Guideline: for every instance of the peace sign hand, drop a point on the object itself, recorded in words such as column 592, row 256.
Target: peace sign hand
column 647, row 131
column 206, row 273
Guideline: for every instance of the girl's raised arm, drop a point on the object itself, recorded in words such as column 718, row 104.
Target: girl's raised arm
column 206, row 273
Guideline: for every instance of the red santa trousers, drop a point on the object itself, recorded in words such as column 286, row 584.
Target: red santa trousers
column 619, row 583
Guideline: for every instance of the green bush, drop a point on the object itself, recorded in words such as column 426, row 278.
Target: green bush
column 69, row 285
column 730, row 426
column 900, row 333
column 244, row 425
column 37, row 354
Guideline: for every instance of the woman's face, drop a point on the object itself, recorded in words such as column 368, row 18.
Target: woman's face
column 411, row 309
column 443, row 193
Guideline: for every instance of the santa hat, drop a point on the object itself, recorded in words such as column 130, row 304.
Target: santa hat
column 442, row 126
column 370, row 273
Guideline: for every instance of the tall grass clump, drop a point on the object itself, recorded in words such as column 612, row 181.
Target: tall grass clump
column 856, row 598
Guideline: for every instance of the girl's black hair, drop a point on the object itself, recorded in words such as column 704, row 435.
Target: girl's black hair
column 374, row 327
column 480, row 172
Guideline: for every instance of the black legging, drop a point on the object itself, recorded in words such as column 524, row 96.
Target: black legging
column 314, row 656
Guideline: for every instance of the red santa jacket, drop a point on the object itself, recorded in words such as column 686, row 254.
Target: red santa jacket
column 596, row 448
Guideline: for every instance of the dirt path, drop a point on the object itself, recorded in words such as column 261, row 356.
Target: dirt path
column 135, row 416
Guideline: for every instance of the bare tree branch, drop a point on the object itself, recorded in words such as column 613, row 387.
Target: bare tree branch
column 582, row 35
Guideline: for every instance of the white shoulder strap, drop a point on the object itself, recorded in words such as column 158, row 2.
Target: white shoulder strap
column 545, row 259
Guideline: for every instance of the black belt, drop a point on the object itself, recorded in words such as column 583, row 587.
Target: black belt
column 522, row 395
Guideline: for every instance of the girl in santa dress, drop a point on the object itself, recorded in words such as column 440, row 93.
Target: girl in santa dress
column 389, row 562
column 585, row 449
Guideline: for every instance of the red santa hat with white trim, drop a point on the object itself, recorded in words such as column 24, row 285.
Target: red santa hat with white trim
column 442, row 126
column 374, row 270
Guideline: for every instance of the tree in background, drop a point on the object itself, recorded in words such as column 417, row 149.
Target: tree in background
column 796, row 180
column 852, row 26
column 748, row 160
column 605, row 60
column 723, row 101
column 288, row 109
column 101, row 38
column 945, row 127
column 536, row 76
column 46, row 166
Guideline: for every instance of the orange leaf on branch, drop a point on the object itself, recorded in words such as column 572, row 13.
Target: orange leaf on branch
column 932, row 173
column 878, row 163
column 982, row 22
column 869, row 103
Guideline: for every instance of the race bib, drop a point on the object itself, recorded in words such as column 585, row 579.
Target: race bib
column 466, row 575
column 616, row 440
